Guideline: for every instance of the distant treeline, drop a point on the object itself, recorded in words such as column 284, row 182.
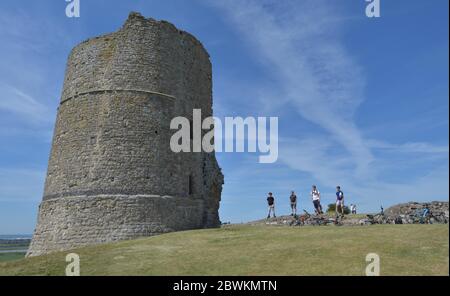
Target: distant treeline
column 15, row 242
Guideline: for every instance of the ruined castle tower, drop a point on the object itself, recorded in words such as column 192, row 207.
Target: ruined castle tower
column 111, row 173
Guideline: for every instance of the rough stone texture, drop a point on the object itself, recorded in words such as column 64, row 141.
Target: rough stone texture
column 407, row 211
column 111, row 173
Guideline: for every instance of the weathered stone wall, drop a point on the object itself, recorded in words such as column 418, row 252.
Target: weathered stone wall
column 113, row 143
column 76, row 221
column 111, row 172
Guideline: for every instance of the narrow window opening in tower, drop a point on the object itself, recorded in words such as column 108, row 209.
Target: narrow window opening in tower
column 191, row 185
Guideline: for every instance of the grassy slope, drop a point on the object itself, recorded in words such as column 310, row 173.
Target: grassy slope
column 11, row 257
column 260, row 250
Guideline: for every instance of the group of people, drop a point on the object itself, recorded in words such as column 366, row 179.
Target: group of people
column 315, row 196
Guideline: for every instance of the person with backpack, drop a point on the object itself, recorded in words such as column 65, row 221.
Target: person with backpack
column 339, row 201
column 271, row 203
column 293, row 199
column 315, row 195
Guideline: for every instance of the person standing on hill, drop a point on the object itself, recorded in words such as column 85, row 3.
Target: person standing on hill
column 339, row 201
column 293, row 199
column 315, row 195
column 271, row 203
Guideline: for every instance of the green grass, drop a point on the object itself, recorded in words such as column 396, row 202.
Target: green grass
column 260, row 250
column 11, row 257
column 16, row 245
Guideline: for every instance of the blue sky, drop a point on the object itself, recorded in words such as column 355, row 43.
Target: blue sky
column 361, row 102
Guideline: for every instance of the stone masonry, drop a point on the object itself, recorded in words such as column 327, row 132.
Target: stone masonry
column 111, row 174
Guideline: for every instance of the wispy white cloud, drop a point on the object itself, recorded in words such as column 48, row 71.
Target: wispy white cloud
column 316, row 157
column 27, row 97
column 431, row 186
column 21, row 185
column 30, row 32
column 411, row 147
column 300, row 44
column 20, row 103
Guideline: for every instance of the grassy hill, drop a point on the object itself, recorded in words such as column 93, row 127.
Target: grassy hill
column 260, row 250
column 11, row 256
column 13, row 249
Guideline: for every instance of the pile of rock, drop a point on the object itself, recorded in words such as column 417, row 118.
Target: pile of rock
column 406, row 213
column 280, row 220
column 306, row 219
column 409, row 213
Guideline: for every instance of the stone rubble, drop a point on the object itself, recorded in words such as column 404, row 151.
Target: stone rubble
column 406, row 213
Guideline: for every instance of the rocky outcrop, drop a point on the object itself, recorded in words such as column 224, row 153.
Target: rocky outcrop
column 411, row 212
column 307, row 219
column 406, row 213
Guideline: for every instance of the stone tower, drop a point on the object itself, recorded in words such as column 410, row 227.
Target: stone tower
column 111, row 173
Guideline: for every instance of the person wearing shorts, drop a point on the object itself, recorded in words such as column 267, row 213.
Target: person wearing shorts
column 339, row 201
column 293, row 200
column 315, row 195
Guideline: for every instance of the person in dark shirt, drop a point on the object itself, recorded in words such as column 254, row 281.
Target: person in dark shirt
column 293, row 199
column 271, row 203
column 339, row 201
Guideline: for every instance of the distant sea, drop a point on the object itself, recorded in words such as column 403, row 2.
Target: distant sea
column 14, row 243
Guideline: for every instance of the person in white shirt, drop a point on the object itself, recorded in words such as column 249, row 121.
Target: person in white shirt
column 315, row 195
